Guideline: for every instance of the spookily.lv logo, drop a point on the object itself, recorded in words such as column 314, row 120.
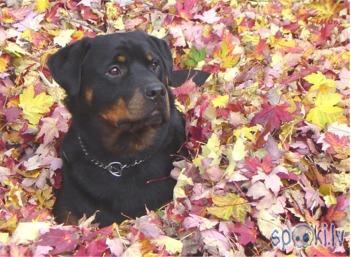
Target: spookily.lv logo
column 303, row 235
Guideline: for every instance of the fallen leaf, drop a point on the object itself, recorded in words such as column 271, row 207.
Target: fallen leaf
column 34, row 106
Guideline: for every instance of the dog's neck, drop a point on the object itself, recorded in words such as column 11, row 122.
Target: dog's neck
column 112, row 145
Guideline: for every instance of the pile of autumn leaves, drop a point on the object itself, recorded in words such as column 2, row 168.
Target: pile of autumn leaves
column 267, row 134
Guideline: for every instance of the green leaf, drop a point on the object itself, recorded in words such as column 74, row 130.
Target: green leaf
column 195, row 56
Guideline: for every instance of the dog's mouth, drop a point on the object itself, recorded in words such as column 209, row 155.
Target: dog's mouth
column 154, row 118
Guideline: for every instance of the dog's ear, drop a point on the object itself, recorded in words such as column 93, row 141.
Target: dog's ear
column 65, row 65
column 177, row 78
column 180, row 76
column 165, row 52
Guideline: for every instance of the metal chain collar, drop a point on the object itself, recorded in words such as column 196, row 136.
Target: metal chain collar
column 115, row 168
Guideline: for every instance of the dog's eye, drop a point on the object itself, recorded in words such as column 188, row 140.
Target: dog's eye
column 114, row 71
column 154, row 65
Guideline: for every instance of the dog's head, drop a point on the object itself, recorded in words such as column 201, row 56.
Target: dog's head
column 118, row 87
column 121, row 79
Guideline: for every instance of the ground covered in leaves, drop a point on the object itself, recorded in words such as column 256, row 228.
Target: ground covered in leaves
column 268, row 133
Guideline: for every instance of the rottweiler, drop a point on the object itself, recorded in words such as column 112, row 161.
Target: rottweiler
column 125, row 129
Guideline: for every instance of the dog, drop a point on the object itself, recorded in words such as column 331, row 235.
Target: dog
column 125, row 129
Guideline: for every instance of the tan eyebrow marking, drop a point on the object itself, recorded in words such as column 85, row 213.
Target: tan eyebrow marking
column 149, row 57
column 121, row 58
column 88, row 95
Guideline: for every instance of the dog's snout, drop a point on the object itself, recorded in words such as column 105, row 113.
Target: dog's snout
column 155, row 91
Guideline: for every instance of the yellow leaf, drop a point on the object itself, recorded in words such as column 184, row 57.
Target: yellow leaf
column 225, row 53
column 320, row 83
column 267, row 222
column 172, row 245
column 15, row 196
column 325, row 112
column 64, row 37
column 220, row 101
column 6, row 16
column 223, row 213
column 119, row 23
column 14, row 49
column 341, row 182
column 229, row 205
column 239, row 151
column 212, row 149
column 28, row 231
column 247, row 132
column 34, row 106
column 27, row 34
column 4, row 237
column 159, row 33
column 182, row 181
column 325, row 9
column 45, row 197
column 78, row 34
column 282, row 43
column 329, row 200
column 9, row 225
column 180, row 107
column 111, row 11
column 4, row 60
column 41, row 5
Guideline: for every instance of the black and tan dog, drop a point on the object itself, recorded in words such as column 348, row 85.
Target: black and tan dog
column 125, row 128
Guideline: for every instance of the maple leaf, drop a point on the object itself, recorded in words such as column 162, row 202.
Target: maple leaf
column 225, row 52
column 171, row 245
column 272, row 116
column 271, row 181
column 267, row 222
column 319, row 251
column 34, row 106
column 63, row 240
column 338, row 145
column 52, row 126
column 115, row 245
column 194, row 221
column 320, row 83
column 64, row 37
column 212, row 149
column 246, row 232
column 325, row 112
column 14, row 49
column 215, row 241
column 96, row 247
column 185, row 8
column 229, row 205
column 42, row 5
column 325, row 9
column 209, row 16
column 220, row 101
column 28, row 231
column 4, row 61
column 12, row 113
column 194, row 57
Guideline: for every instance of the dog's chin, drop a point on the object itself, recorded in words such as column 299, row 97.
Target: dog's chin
column 155, row 119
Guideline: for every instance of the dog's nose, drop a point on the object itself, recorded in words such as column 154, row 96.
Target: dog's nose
column 155, row 91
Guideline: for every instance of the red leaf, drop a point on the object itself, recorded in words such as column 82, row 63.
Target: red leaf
column 52, row 15
column 96, row 247
column 186, row 88
column 87, row 14
column 337, row 144
column 63, row 241
column 184, row 8
column 12, row 113
column 246, row 232
column 272, row 116
column 321, row 251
